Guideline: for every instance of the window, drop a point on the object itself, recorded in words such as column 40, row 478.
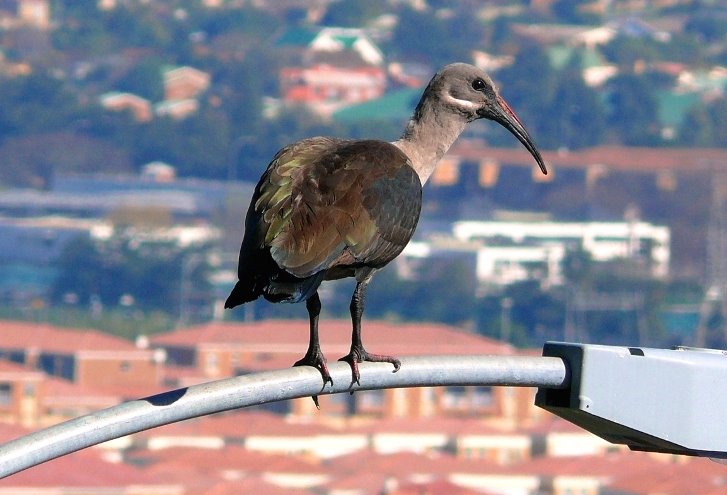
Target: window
column 29, row 390
column 369, row 401
column 454, row 397
column 482, row 396
column 6, row 394
column 211, row 363
column 467, row 398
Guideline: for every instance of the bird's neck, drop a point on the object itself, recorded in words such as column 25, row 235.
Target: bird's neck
column 427, row 137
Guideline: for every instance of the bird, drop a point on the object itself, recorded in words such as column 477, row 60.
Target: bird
column 328, row 208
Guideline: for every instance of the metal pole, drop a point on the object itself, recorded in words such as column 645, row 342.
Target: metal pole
column 260, row 388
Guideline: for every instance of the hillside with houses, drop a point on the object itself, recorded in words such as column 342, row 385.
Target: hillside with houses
column 444, row 440
column 131, row 136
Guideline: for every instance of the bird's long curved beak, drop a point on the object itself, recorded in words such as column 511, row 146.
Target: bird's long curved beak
column 504, row 116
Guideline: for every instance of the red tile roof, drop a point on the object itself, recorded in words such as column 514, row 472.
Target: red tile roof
column 252, row 484
column 588, row 465
column 239, row 424
column 418, row 425
column 553, row 424
column 479, row 427
column 672, row 476
column 435, row 487
column 242, row 423
column 364, row 481
column 84, row 469
column 613, row 157
column 11, row 432
column 397, row 465
column 59, row 392
column 24, row 335
column 291, row 336
column 229, row 458
column 269, row 362
column 132, row 391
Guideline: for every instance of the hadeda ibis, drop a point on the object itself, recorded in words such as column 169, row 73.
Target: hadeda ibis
column 329, row 208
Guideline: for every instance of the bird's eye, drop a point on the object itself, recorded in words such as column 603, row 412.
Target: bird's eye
column 478, row 85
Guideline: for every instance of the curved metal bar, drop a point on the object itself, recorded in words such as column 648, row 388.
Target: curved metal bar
column 260, row 388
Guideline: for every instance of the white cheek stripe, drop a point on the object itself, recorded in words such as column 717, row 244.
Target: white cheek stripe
column 466, row 104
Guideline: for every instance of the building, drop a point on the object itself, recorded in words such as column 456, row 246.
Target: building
column 177, row 109
column 32, row 398
column 326, row 88
column 513, row 251
column 87, row 358
column 20, row 394
column 330, row 68
column 309, row 42
column 140, row 108
column 25, row 13
column 505, row 252
column 182, row 83
column 87, row 472
column 98, row 195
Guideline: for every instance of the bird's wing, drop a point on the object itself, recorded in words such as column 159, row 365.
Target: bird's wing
column 390, row 203
column 324, row 202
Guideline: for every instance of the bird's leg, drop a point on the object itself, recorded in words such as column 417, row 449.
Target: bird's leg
column 314, row 357
column 358, row 354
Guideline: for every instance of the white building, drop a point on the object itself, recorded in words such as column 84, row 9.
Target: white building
column 513, row 251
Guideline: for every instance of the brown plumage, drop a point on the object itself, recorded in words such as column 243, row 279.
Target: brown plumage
column 329, row 208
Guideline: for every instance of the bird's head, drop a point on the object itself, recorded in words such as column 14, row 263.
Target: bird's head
column 468, row 91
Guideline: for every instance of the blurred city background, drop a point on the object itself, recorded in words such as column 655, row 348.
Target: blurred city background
column 132, row 133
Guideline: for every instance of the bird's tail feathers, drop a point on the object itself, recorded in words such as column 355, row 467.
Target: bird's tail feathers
column 291, row 289
column 242, row 292
column 285, row 288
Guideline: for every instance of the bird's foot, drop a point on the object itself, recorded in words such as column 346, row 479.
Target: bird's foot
column 358, row 355
column 315, row 358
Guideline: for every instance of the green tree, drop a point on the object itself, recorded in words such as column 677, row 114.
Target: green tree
column 255, row 23
column 529, row 86
column 523, row 314
column 633, row 112
column 707, row 25
column 578, row 268
column 427, row 38
column 33, row 159
column 144, row 79
column 420, row 299
column 705, row 125
column 82, row 27
column 139, row 25
column 353, row 13
column 197, row 145
column 36, row 103
column 574, row 11
column 718, row 113
column 577, row 113
column 626, row 51
column 200, row 146
column 697, row 128
column 80, row 271
column 241, row 87
column 151, row 273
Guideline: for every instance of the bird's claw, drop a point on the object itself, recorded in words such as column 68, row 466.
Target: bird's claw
column 316, row 359
column 359, row 355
